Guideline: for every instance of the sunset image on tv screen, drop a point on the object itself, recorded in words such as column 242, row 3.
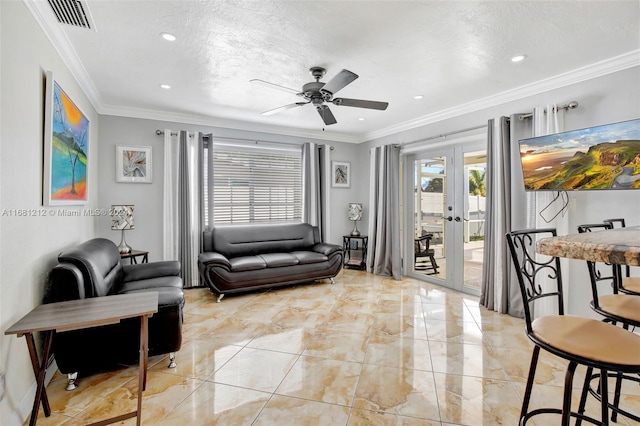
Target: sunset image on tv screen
column 601, row 157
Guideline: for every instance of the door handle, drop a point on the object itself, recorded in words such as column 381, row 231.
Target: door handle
column 457, row 219
column 449, row 218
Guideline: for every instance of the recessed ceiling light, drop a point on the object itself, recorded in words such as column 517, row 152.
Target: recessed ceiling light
column 518, row 58
column 168, row 36
column 361, row 118
column 418, row 97
column 165, row 86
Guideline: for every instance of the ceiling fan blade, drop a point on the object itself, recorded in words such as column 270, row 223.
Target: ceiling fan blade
column 360, row 103
column 326, row 114
column 274, row 86
column 343, row 78
column 283, row 108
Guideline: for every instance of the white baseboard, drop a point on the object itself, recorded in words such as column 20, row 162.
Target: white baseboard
column 19, row 416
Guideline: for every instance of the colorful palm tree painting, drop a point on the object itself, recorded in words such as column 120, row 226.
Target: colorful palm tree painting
column 68, row 150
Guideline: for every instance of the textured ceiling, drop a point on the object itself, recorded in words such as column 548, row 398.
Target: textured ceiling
column 452, row 52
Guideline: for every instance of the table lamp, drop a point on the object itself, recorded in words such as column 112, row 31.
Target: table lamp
column 355, row 214
column 122, row 219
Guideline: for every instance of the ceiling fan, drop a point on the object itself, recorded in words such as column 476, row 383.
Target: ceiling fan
column 317, row 93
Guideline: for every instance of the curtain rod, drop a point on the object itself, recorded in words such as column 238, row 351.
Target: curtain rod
column 393, row 145
column 161, row 132
column 566, row 107
column 444, row 135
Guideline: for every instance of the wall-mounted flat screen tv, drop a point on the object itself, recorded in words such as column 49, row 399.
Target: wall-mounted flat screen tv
column 600, row 157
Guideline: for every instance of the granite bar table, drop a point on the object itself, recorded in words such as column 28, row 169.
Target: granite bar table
column 619, row 246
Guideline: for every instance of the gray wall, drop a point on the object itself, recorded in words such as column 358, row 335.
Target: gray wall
column 29, row 244
column 606, row 99
column 147, row 198
column 358, row 192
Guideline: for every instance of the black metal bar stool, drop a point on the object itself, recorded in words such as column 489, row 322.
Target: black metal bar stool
column 615, row 308
column 626, row 283
column 585, row 341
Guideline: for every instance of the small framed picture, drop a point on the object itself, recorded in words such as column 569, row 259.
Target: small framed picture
column 341, row 174
column 133, row 164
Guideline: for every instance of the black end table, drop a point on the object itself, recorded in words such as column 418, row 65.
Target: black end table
column 133, row 254
column 355, row 251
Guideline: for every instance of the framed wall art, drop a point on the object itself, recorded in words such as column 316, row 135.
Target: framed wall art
column 133, row 164
column 66, row 148
column 340, row 174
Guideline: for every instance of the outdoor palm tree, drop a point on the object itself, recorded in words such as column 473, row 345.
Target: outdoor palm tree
column 477, row 183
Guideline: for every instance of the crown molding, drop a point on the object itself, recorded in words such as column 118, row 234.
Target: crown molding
column 598, row 69
column 211, row 121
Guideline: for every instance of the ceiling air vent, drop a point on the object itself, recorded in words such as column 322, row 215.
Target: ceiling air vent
column 72, row 12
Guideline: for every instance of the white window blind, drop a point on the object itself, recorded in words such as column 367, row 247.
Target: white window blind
column 255, row 185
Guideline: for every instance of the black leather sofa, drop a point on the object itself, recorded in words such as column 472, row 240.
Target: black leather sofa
column 243, row 258
column 94, row 269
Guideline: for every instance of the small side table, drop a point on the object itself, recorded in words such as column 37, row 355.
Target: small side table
column 133, row 254
column 71, row 315
column 352, row 246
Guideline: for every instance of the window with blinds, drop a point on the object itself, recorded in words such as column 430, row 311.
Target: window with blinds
column 255, row 185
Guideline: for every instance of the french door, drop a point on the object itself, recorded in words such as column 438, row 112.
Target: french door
column 445, row 195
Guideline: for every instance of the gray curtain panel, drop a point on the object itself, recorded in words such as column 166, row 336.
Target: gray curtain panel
column 384, row 213
column 493, row 233
column 508, row 208
column 189, row 204
column 314, row 192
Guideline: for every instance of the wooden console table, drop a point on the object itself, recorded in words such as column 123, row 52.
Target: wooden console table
column 71, row 315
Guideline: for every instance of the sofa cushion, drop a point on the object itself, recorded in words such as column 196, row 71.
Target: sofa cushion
column 247, row 263
column 143, row 271
column 254, row 239
column 277, row 260
column 151, row 284
column 305, row 257
column 169, row 298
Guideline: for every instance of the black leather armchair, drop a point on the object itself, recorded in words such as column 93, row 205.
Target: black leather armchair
column 94, row 269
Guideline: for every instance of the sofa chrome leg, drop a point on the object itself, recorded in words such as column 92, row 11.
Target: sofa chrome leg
column 172, row 360
column 220, row 296
column 71, row 381
column 332, row 280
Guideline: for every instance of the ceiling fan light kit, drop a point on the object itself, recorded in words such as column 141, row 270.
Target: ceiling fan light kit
column 318, row 94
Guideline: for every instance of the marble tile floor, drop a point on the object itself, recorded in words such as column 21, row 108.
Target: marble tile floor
column 367, row 350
